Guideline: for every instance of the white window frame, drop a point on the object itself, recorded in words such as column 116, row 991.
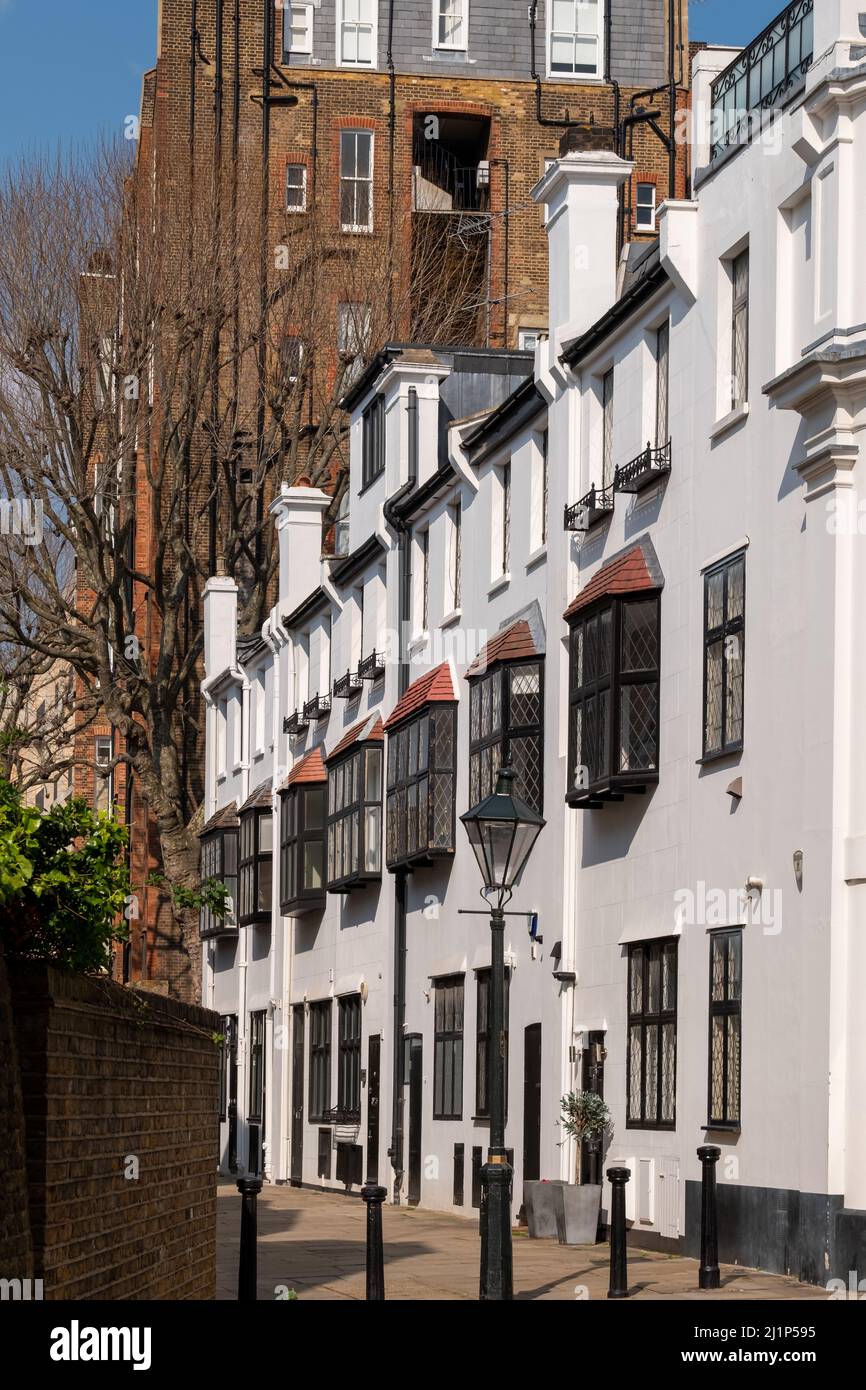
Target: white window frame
column 290, row 48
column 463, row 46
column 598, row 75
column 296, row 164
column 523, row 333
column 373, row 24
column 355, row 309
column 355, row 178
column 645, row 226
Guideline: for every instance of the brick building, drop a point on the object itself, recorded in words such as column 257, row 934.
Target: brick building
column 386, row 122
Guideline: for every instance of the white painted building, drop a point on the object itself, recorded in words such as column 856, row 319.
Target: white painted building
column 679, row 682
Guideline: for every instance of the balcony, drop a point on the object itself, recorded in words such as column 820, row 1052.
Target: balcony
column 590, row 510
column 644, row 470
column 296, row 723
column 319, row 707
column 372, row 667
column 348, row 686
column 763, row 77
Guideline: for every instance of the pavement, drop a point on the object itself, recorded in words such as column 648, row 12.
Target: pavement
column 314, row 1244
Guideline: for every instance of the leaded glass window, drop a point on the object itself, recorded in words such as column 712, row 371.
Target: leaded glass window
column 506, row 719
column 421, row 776
column 724, row 654
column 663, row 340
column 613, row 697
column 726, row 981
column 651, row 1055
column 320, row 1060
column 740, row 331
column 349, row 1058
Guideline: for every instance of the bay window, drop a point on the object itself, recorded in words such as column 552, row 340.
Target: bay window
column 302, row 848
column 505, row 726
column 255, row 878
column 613, row 699
column 219, row 861
column 355, row 818
column 421, row 776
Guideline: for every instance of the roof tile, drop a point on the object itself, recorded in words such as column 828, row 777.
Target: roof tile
column 226, row 818
column 514, row 643
column 370, row 730
column 435, row 687
column 310, row 769
column 630, row 571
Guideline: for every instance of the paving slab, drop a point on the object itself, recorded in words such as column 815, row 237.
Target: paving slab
column 313, row 1242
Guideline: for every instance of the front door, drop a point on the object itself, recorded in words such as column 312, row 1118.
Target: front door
column 414, row 1046
column 532, row 1103
column 297, row 1172
column 373, row 1068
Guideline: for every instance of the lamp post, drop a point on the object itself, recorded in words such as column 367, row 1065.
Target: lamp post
column 502, row 830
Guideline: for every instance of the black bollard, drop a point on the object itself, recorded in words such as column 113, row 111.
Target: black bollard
column 249, row 1188
column 708, row 1274
column 374, row 1197
column 618, row 1177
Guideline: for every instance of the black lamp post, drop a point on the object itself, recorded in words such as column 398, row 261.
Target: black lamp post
column 502, row 830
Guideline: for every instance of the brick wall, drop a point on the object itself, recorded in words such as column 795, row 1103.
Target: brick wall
column 16, row 1253
column 120, row 1097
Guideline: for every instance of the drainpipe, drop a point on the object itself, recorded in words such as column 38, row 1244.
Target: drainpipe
column 542, row 120
column 404, row 580
column 267, row 60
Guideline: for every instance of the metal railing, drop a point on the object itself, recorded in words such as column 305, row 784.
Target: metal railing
column 318, row 707
column 763, row 76
column 346, row 686
column 595, row 505
column 643, row 470
column 371, row 667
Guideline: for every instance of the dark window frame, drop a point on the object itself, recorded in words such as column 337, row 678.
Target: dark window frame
column 645, row 1019
column 213, row 865
column 728, row 628
column 740, row 309
column 412, row 777
column 483, row 1051
column 359, row 813
column 319, row 1088
column 373, row 442
column 448, row 1046
column 256, row 1053
column 726, row 1008
column 613, row 682
column 349, row 1031
column 296, row 835
column 500, row 738
column 255, row 868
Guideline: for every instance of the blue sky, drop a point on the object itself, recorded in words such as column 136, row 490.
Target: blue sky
column 72, row 68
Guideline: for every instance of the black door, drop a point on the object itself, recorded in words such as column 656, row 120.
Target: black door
column 373, row 1067
column 592, row 1079
column 532, row 1103
column 297, row 1172
column 415, row 1076
column 232, row 1090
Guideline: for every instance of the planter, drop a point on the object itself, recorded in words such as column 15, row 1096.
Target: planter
column 577, row 1213
column 542, row 1204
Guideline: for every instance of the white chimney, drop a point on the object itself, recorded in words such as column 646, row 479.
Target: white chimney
column 580, row 192
column 298, row 512
column 220, row 625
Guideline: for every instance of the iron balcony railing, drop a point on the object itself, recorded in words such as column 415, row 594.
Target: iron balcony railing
column 371, row 667
column 594, row 507
column 763, row 76
column 647, row 468
column 318, row 707
column 296, row 723
column 346, row 686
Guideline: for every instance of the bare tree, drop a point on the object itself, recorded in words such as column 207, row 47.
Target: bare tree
column 162, row 370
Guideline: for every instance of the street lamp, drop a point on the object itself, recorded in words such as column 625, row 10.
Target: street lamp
column 502, row 830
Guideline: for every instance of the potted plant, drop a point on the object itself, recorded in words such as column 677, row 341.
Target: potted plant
column 583, row 1115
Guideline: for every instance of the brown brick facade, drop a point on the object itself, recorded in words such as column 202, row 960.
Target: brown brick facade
column 120, row 1097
